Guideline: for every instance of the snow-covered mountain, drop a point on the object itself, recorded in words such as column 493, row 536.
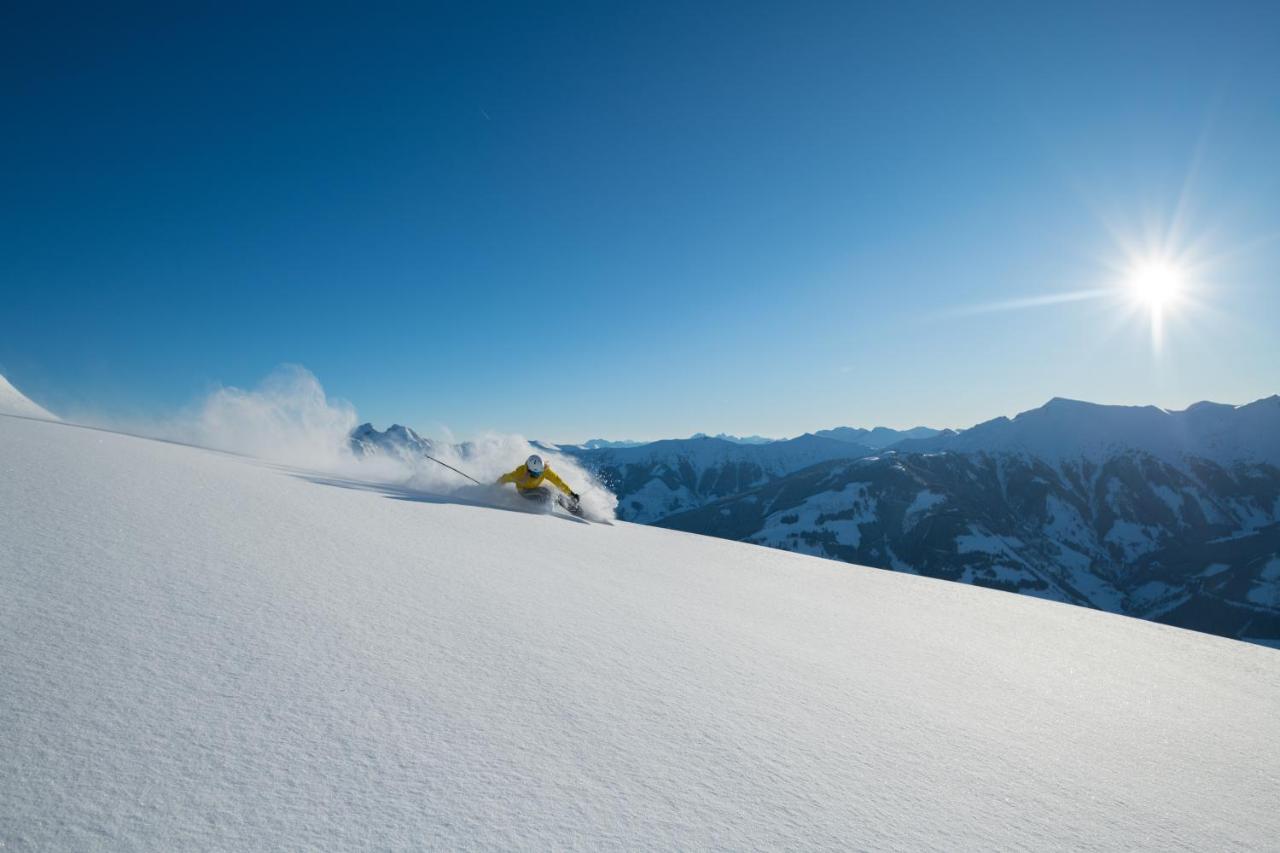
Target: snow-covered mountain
column 201, row 651
column 1173, row 516
column 14, row 402
column 877, row 438
column 666, row 477
column 396, row 441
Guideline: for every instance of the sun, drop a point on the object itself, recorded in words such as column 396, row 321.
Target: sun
column 1156, row 283
column 1162, row 281
column 1158, row 286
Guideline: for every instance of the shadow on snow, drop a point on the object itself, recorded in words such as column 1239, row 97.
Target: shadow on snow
column 483, row 499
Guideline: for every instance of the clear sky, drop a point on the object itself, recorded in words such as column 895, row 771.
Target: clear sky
column 572, row 221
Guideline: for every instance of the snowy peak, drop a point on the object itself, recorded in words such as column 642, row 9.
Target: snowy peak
column 397, row 441
column 403, row 435
column 14, row 402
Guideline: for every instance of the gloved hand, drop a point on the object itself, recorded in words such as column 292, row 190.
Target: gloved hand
column 575, row 497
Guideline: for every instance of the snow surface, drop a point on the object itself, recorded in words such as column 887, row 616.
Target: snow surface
column 14, row 402
column 202, row 651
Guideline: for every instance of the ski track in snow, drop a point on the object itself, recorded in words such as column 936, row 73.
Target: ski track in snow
column 201, row 651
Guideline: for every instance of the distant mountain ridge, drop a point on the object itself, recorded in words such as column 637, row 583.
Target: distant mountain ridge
column 606, row 444
column 603, row 444
column 665, row 477
column 879, row 437
column 874, row 438
column 1066, row 429
column 737, row 439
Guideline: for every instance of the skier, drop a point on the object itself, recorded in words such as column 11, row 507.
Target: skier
column 529, row 479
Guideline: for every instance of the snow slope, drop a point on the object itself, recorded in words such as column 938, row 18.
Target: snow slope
column 14, row 402
column 198, row 650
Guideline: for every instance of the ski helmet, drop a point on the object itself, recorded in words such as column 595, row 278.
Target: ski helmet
column 534, row 464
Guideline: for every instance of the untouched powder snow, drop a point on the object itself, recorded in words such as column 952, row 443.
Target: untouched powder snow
column 198, row 650
column 14, row 402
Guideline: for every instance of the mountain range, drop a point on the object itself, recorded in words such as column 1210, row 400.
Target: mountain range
column 875, row 438
column 737, row 439
column 662, row 478
column 1172, row 516
column 879, row 437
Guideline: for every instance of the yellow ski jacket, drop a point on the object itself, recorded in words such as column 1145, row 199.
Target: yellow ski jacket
column 525, row 481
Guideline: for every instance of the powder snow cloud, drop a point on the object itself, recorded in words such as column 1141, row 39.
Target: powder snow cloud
column 289, row 419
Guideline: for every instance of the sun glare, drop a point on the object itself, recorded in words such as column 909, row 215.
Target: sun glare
column 1156, row 286
column 1156, row 283
column 1160, row 281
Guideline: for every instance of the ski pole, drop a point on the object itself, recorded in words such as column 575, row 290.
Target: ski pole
column 454, row 470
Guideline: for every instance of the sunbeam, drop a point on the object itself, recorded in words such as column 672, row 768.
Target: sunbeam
column 1147, row 280
column 1037, row 301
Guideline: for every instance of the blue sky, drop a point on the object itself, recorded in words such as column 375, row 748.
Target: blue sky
column 577, row 221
